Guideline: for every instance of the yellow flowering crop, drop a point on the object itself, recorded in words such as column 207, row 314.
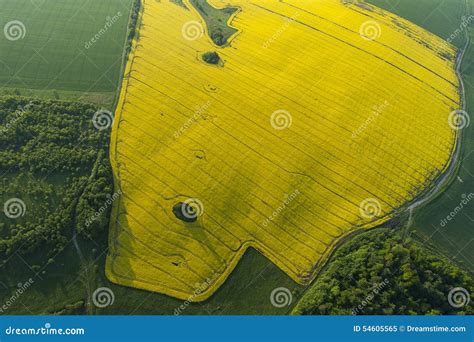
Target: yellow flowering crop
column 324, row 117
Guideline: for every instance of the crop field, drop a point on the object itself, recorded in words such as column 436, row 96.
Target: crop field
column 64, row 50
column 272, row 147
column 452, row 238
column 439, row 17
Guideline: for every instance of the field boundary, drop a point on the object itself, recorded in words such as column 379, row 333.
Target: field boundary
column 229, row 22
column 437, row 187
column 126, row 54
column 325, row 256
column 115, row 211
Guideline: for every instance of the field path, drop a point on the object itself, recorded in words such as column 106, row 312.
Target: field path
column 450, row 173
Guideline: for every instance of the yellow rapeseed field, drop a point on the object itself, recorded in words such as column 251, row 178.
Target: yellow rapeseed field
column 323, row 118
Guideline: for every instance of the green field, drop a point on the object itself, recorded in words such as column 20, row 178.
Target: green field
column 455, row 238
column 56, row 56
column 438, row 17
column 216, row 21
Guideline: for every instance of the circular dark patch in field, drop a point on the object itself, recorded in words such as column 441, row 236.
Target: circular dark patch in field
column 185, row 212
column 212, row 57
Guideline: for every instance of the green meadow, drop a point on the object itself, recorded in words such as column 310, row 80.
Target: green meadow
column 64, row 49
